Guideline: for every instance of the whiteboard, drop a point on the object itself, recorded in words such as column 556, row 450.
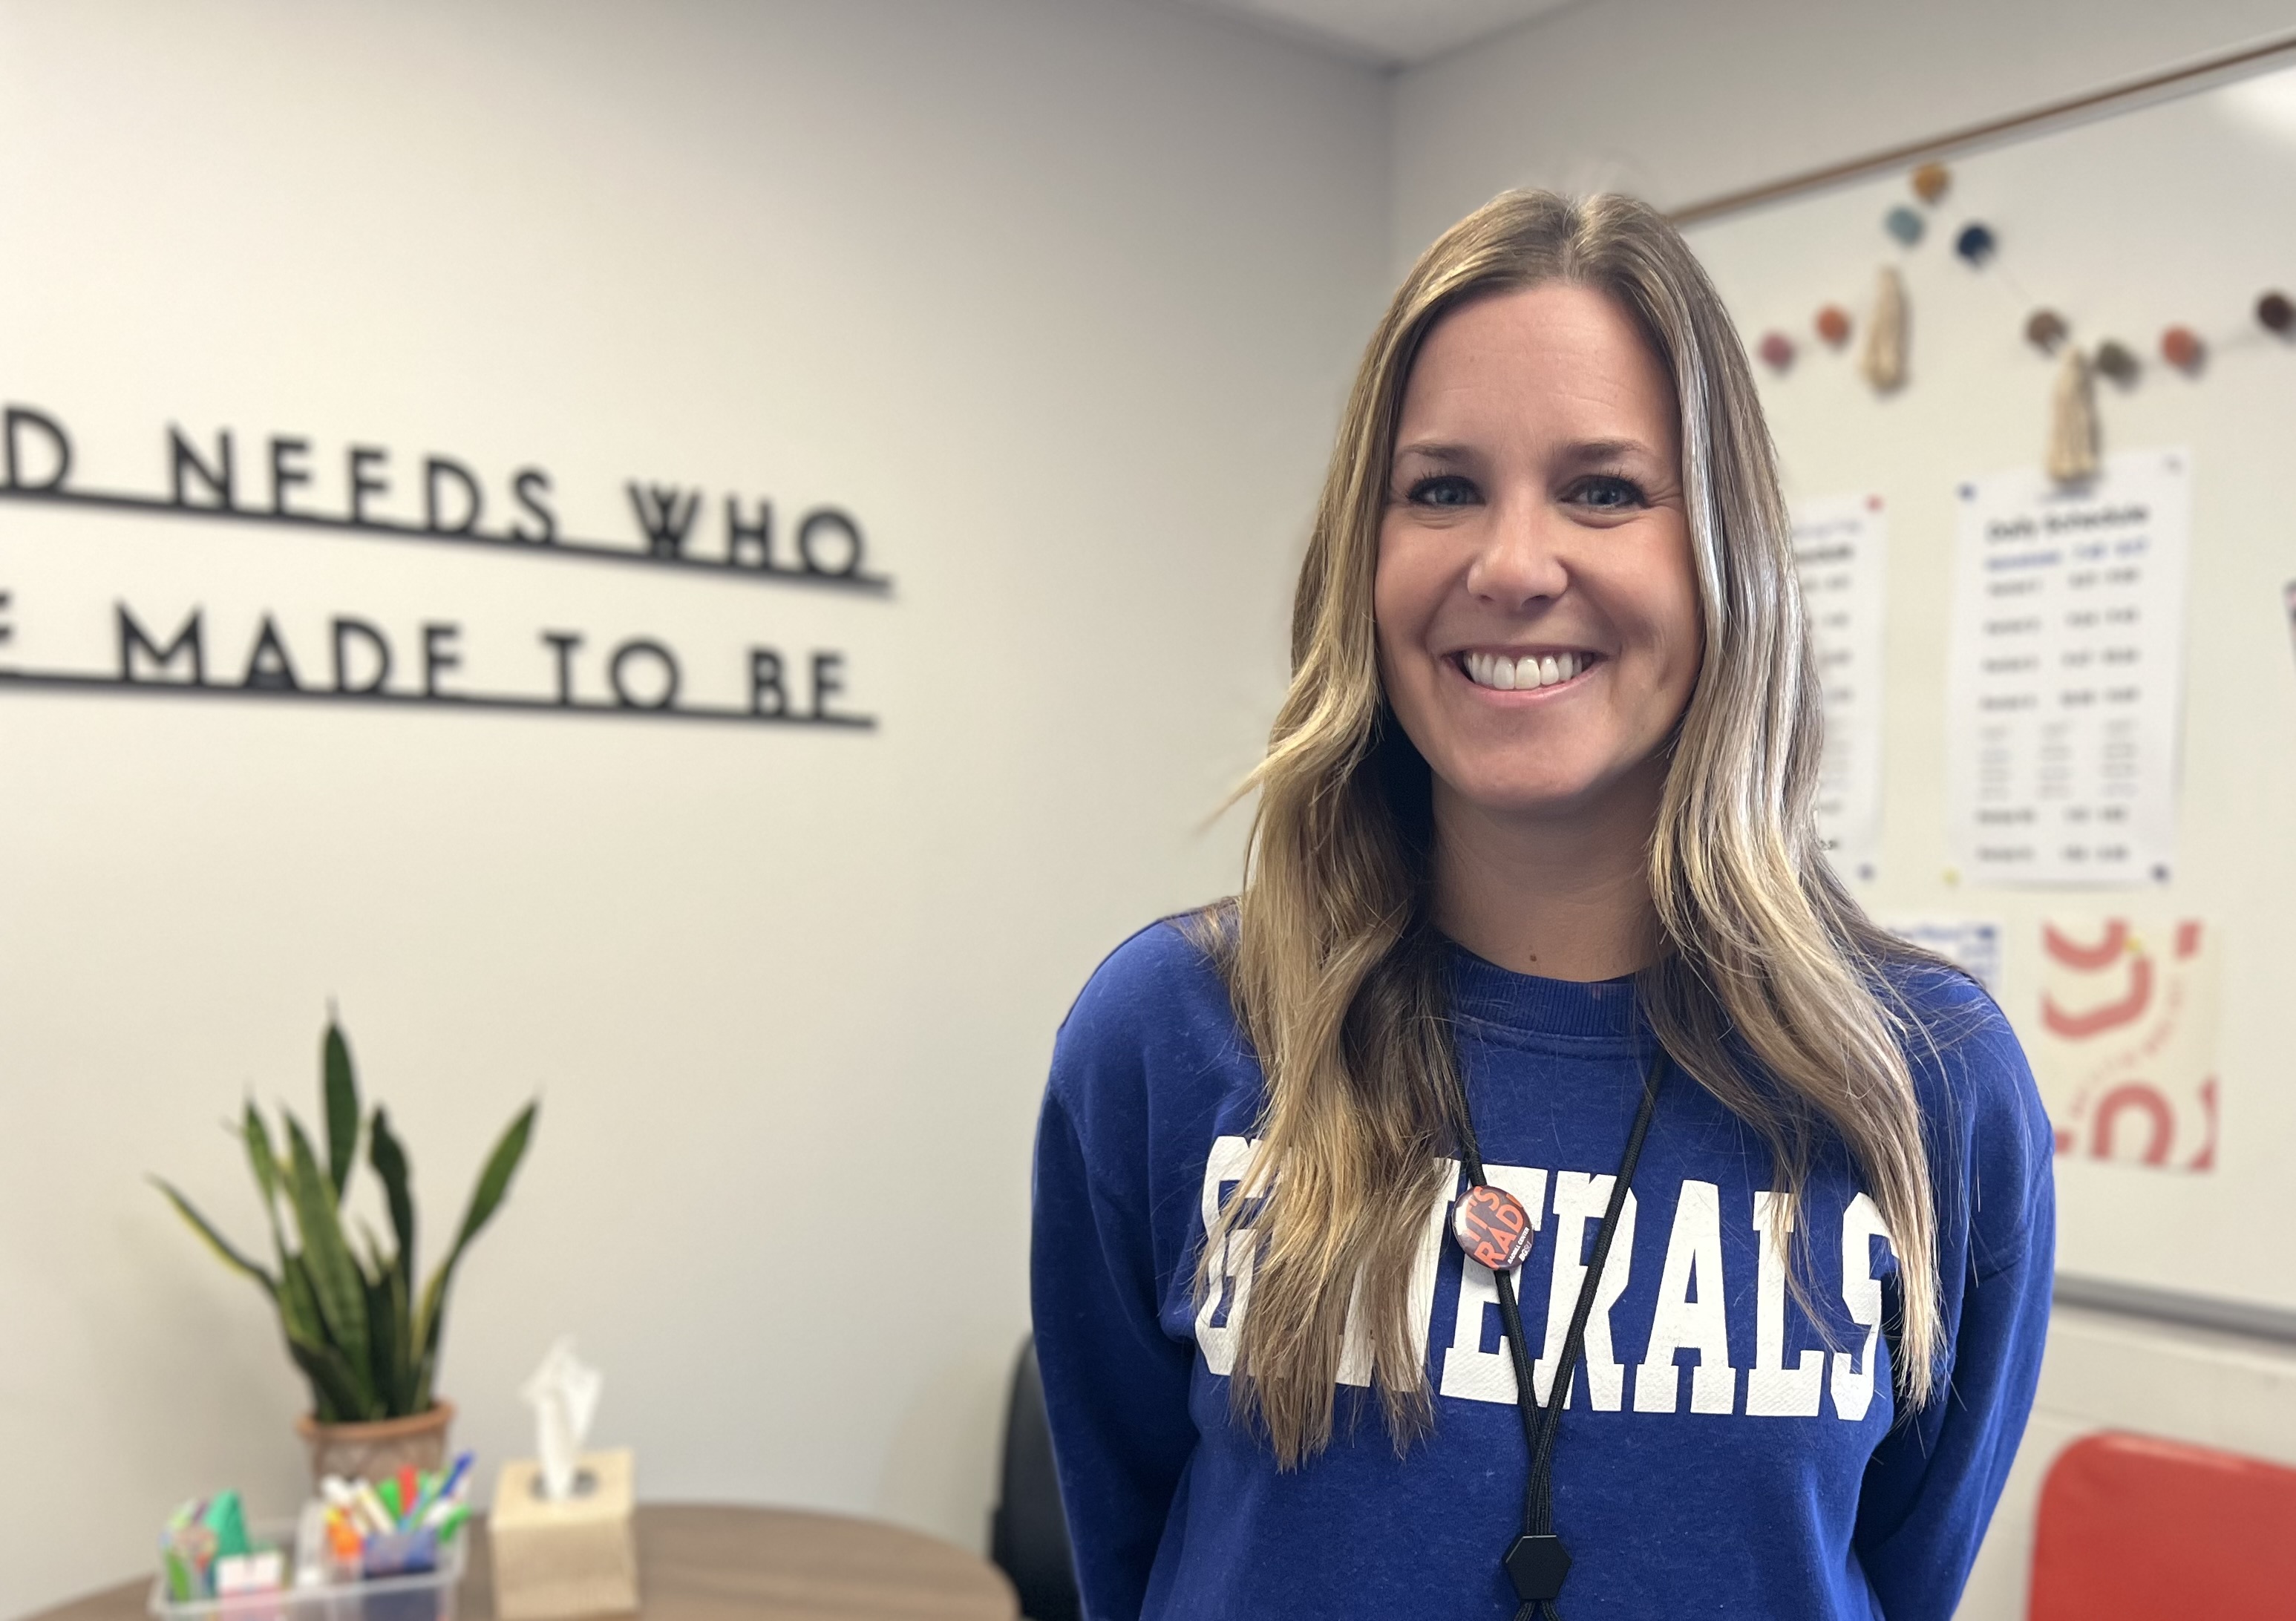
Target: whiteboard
column 2170, row 213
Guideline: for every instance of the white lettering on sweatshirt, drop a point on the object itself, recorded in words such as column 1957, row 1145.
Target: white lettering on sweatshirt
column 1690, row 1312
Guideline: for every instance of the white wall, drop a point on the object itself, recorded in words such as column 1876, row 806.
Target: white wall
column 1676, row 100
column 1681, row 100
column 1059, row 296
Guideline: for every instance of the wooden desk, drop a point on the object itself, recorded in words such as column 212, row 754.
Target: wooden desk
column 715, row 1562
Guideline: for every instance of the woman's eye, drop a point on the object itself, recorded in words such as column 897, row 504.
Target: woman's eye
column 1610, row 494
column 1443, row 489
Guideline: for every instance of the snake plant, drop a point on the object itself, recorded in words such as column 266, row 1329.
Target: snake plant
column 364, row 1336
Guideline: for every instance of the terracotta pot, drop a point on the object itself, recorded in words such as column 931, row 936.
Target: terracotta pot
column 370, row 1450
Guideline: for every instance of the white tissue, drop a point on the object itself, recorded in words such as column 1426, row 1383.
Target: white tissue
column 564, row 1396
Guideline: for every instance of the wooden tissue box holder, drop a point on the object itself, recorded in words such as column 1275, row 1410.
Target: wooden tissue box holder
column 557, row 1561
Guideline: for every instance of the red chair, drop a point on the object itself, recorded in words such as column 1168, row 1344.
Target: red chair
column 2130, row 1526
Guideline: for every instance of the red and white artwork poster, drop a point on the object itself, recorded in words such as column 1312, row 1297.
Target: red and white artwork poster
column 2124, row 1043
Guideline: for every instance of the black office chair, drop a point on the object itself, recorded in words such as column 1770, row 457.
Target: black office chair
column 1028, row 1534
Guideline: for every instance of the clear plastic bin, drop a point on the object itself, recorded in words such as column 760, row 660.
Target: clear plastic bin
column 428, row 1596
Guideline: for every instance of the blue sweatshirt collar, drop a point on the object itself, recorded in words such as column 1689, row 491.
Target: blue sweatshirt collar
column 1484, row 991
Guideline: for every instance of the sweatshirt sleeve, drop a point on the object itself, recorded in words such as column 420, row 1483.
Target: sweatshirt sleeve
column 1115, row 1384
column 1931, row 1486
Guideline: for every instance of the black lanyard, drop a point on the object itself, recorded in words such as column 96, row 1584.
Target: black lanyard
column 1536, row 1561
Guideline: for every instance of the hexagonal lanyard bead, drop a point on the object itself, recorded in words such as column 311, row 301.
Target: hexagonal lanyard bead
column 1537, row 1565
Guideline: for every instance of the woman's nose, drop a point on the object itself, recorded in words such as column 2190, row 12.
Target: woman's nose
column 1521, row 558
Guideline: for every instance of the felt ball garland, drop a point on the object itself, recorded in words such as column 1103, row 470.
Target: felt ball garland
column 2072, row 447
column 2045, row 329
column 2117, row 361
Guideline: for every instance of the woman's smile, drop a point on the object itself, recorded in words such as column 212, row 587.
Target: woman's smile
column 1525, row 672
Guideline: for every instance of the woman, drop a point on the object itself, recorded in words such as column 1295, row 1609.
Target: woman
column 1536, row 950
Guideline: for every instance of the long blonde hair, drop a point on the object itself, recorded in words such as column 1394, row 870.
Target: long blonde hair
column 1338, row 977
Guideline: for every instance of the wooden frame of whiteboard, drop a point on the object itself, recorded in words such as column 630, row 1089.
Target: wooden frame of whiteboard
column 2096, row 104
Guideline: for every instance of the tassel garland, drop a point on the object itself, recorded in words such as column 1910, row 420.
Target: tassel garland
column 1882, row 363
column 2072, row 421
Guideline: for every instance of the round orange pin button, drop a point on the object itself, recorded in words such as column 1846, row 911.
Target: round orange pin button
column 1491, row 1226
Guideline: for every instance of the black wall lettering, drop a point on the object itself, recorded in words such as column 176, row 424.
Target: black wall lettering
column 740, row 535
column 563, row 643
column 363, row 457
column 531, row 485
column 829, row 519
column 377, row 654
column 12, row 423
column 269, row 667
column 440, row 655
column 828, row 680
column 182, row 459
column 662, row 657
column 665, row 512
column 434, row 468
column 825, row 549
column 767, row 697
column 643, row 675
column 287, row 469
column 133, row 639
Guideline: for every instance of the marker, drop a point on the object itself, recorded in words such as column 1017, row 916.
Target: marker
column 425, row 1495
column 370, row 1507
column 458, row 1474
column 351, row 1502
column 344, row 1541
column 410, row 1492
column 179, row 1576
column 344, row 1502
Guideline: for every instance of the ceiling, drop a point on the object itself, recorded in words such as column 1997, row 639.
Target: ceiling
column 1387, row 33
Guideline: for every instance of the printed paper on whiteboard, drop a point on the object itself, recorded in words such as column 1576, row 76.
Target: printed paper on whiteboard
column 2066, row 662
column 1840, row 551
column 2123, row 1042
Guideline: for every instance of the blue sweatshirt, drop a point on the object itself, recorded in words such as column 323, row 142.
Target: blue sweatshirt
column 1720, row 1453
